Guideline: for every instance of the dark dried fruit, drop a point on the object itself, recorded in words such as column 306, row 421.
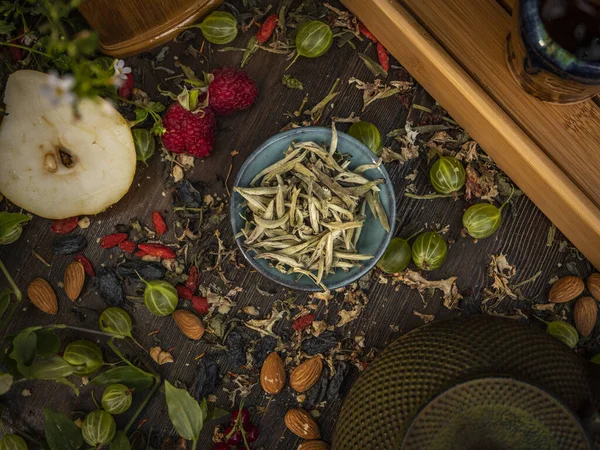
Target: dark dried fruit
column 200, row 304
column 184, row 292
column 206, row 378
column 316, row 394
column 123, row 228
column 262, row 349
column 148, row 270
column 187, row 195
column 110, row 287
column 335, row 384
column 67, row 245
column 235, row 345
column 320, row 344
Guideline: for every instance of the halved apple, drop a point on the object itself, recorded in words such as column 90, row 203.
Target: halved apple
column 56, row 165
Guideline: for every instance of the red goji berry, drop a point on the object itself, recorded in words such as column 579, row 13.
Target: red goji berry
column 303, row 322
column 184, row 292
column 64, row 226
column 87, row 265
column 125, row 90
column 265, row 31
column 140, row 254
column 128, row 246
column 193, row 279
column 158, row 250
column 112, row 240
column 384, row 58
column 159, row 223
column 366, row 33
column 200, row 304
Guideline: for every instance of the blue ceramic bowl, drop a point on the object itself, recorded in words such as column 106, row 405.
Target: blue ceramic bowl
column 373, row 239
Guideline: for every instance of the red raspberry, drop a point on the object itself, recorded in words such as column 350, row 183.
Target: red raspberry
column 232, row 90
column 193, row 132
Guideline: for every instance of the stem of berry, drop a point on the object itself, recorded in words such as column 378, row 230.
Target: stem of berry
column 18, row 296
column 23, row 47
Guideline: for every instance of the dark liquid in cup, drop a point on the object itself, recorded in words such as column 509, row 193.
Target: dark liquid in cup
column 574, row 25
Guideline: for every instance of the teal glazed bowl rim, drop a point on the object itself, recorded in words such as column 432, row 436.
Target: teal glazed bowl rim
column 374, row 239
column 540, row 43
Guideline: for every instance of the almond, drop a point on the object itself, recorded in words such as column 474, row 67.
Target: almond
column 302, row 424
column 566, row 289
column 313, row 445
column 189, row 324
column 585, row 314
column 306, row 374
column 272, row 374
column 42, row 295
column 593, row 285
column 74, row 279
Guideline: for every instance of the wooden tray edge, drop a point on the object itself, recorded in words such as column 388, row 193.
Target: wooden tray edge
column 510, row 147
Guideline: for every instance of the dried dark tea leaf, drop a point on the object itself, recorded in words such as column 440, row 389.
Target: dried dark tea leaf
column 206, row 378
column 146, row 269
column 262, row 349
column 110, row 287
column 335, row 384
column 236, row 349
column 68, row 245
column 320, row 344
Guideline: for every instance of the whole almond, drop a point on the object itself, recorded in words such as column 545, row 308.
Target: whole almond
column 585, row 314
column 302, row 424
column 306, row 374
column 42, row 295
column 593, row 285
column 74, row 279
column 313, row 445
column 272, row 374
column 566, row 289
column 189, row 324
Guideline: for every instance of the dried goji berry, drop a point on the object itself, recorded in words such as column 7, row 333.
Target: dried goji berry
column 87, row 265
column 193, row 279
column 125, row 90
column 158, row 250
column 200, row 304
column 265, row 31
column 159, row 223
column 64, row 226
column 112, row 240
column 303, row 322
column 127, row 246
column 140, row 254
column 366, row 33
column 184, row 292
column 384, row 58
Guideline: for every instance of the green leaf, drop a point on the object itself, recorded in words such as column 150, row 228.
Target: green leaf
column 120, row 442
column 563, row 331
column 10, row 226
column 595, row 359
column 48, row 343
column 5, row 300
column 185, row 412
column 132, row 377
column 291, row 82
column 204, row 409
column 216, row 413
column 6, row 28
column 6, row 381
column 66, row 382
column 157, row 107
column 141, row 114
column 51, row 369
column 374, row 67
column 61, row 432
column 24, row 345
column 62, row 62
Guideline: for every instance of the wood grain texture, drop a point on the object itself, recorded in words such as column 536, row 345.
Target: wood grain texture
column 389, row 313
column 462, row 94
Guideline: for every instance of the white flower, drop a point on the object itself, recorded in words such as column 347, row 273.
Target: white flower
column 121, row 72
column 59, row 89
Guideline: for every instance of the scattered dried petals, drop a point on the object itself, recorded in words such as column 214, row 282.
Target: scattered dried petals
column 160, row 356
column 415, row 280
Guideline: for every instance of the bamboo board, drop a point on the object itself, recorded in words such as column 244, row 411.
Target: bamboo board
column 456, row 50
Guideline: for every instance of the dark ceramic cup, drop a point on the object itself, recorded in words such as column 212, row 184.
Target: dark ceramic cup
column 543, row 68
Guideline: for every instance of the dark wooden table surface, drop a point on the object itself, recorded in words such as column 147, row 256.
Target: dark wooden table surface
column 389, row 312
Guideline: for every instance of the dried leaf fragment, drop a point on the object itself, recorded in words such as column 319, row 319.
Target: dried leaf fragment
column 160, row 356
column 415, row 280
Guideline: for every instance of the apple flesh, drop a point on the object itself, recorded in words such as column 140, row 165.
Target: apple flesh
column 56, row 165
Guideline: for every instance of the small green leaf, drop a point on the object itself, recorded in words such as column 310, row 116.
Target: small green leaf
column 62, row 62
column 157, row 107
column 5, row 300
column 291, row 82
column 185, row 412
column 10, row 226
column 66, row 382
column 61, row 432
column 120, row 442
column 563, row 331
column 6, row 381
column 48, row 343
column 595, row 359
column 51, row 369
column 204, row 409
column 374, row 67
column 6, row 28
column 216, row 413
column 141, row 114
column 132, row 377
column 24, row 345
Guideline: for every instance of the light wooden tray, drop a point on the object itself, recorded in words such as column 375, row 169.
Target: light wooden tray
column 456, row 50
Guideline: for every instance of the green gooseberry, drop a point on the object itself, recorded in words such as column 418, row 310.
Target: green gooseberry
column 429, row 251
column 396, row 257
column 99, row 428
column 12, row 442
column 11, row 226
column 116, row 399
column 144, row 144
column 483, row 219
column 115, row 321
column 84, row 356
column 160, row 297
column 447, row 175
column 563, row 331
column 368, row 134
column 313, row 39
column 219, row 27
